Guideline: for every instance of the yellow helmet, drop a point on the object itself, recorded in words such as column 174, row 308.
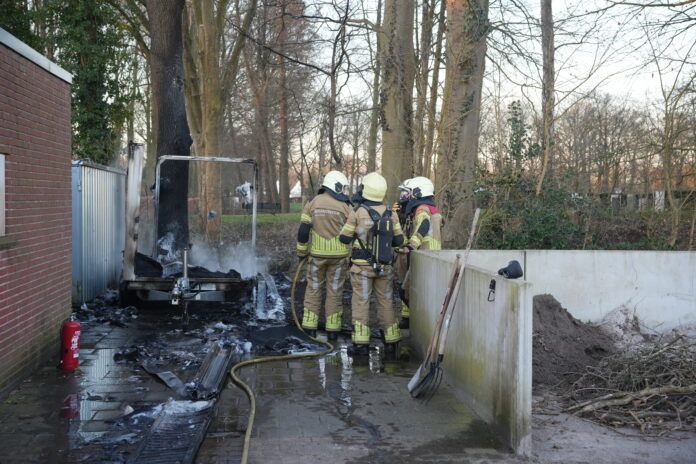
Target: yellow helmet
column 374, row 187
column 421, row 187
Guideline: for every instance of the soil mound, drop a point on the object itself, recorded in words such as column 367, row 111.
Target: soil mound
column 562, row 345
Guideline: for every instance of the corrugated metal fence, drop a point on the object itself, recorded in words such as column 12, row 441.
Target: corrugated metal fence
column 98, row 227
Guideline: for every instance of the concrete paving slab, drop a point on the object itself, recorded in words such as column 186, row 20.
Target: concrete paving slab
column 350, row 411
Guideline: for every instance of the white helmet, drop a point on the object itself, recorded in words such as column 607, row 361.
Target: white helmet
column 335, row 181
column 404, row 190
column 421, row 187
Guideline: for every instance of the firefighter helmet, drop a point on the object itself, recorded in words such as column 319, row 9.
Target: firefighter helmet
column 405, row 191
column 335, row 181
column 421, row 187
column 374, row 187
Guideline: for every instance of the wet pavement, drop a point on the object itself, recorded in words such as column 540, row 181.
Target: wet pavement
column 343, row 410
column 336, row 408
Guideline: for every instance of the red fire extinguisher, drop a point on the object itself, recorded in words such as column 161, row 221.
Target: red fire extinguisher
column 70, row 351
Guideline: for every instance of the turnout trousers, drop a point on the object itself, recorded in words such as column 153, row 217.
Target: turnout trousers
column 324, row 274
column 401, row 268
column 365, row 281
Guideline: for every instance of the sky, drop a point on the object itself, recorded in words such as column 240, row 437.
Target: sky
column 605, row 52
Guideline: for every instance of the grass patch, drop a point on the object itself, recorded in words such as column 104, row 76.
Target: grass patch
column 262, row 218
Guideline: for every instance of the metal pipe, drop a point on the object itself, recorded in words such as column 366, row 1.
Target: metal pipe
column 185, row 272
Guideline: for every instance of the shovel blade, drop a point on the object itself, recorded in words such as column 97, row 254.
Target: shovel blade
column 416, row 379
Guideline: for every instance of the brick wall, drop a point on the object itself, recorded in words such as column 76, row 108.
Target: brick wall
column 35, row 275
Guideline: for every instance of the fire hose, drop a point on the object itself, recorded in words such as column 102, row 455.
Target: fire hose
column 266, row 359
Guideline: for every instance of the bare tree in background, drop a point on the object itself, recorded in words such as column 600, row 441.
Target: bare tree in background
column 466, row 34
column 375, row 56
column 424, row 52
column 429, row 142
column 547, row 91
column 396, row 103
column 283, row 181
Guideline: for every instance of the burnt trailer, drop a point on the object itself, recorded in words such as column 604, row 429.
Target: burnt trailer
column 205, row 268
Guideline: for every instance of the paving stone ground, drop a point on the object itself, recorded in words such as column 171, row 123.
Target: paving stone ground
column 334, row 408
column 342, row 410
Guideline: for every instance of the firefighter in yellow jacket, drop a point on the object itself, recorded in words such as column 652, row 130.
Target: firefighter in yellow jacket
column 422, row 225
column 373, row 229
column 318, row 237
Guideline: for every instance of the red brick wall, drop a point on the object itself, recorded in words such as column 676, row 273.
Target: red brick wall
column 35, row 273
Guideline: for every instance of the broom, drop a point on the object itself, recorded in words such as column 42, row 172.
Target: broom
column 428, row 376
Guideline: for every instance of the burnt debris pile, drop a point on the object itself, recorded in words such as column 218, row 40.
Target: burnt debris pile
column 146, row 266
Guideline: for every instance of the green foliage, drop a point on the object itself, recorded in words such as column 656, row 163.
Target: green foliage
column 17, row 18
column 262, row 218
column 92, row 46
column 525, row 221
column 515, row 218
column 86, row 38
column 520, row 144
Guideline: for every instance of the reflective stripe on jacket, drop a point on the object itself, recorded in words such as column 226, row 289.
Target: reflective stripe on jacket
column 326, row 216
column 432, row 240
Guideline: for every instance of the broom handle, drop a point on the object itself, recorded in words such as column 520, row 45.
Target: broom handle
column 432, row 347
column 460, row 278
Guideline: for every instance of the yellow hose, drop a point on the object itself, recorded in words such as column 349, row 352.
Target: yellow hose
column 250, row 394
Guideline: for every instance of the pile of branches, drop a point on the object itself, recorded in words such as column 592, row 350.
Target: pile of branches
column 651, row 387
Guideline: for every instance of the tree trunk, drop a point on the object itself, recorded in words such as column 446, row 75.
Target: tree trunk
column 172, row 132
column 467, row 30
column 355, row 163
column 267, row 169
column 434, row 85
column 205, row 108
column 398, row 73
column 337, row 57
column 427, row 16
column 283, row 113
column 374, row 114
column 547, row 91
column 322, row 150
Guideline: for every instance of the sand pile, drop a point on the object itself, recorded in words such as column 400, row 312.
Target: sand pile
column 562, row 345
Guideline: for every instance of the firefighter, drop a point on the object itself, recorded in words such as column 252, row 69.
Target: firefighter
column 373, row 229
column 318, row 237
column 423, row 224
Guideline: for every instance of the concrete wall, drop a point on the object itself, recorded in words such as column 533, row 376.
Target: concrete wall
column 35, row 139
column 659, row 285
column 488, row 357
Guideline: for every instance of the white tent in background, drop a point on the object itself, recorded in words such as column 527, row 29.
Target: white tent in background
column 296, row 190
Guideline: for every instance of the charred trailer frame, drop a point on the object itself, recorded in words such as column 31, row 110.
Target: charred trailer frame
column 183, row 289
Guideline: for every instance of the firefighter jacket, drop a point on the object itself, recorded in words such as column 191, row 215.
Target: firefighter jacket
column 320, row 224
column 358, row 230
column 423, row 225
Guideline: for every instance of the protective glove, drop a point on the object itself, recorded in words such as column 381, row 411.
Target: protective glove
column 406, row 249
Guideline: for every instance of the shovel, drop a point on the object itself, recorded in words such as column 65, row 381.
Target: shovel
column 428, row 376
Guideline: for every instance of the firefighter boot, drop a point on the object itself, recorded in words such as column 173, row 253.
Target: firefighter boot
column 359, row 350
column 391, row 351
